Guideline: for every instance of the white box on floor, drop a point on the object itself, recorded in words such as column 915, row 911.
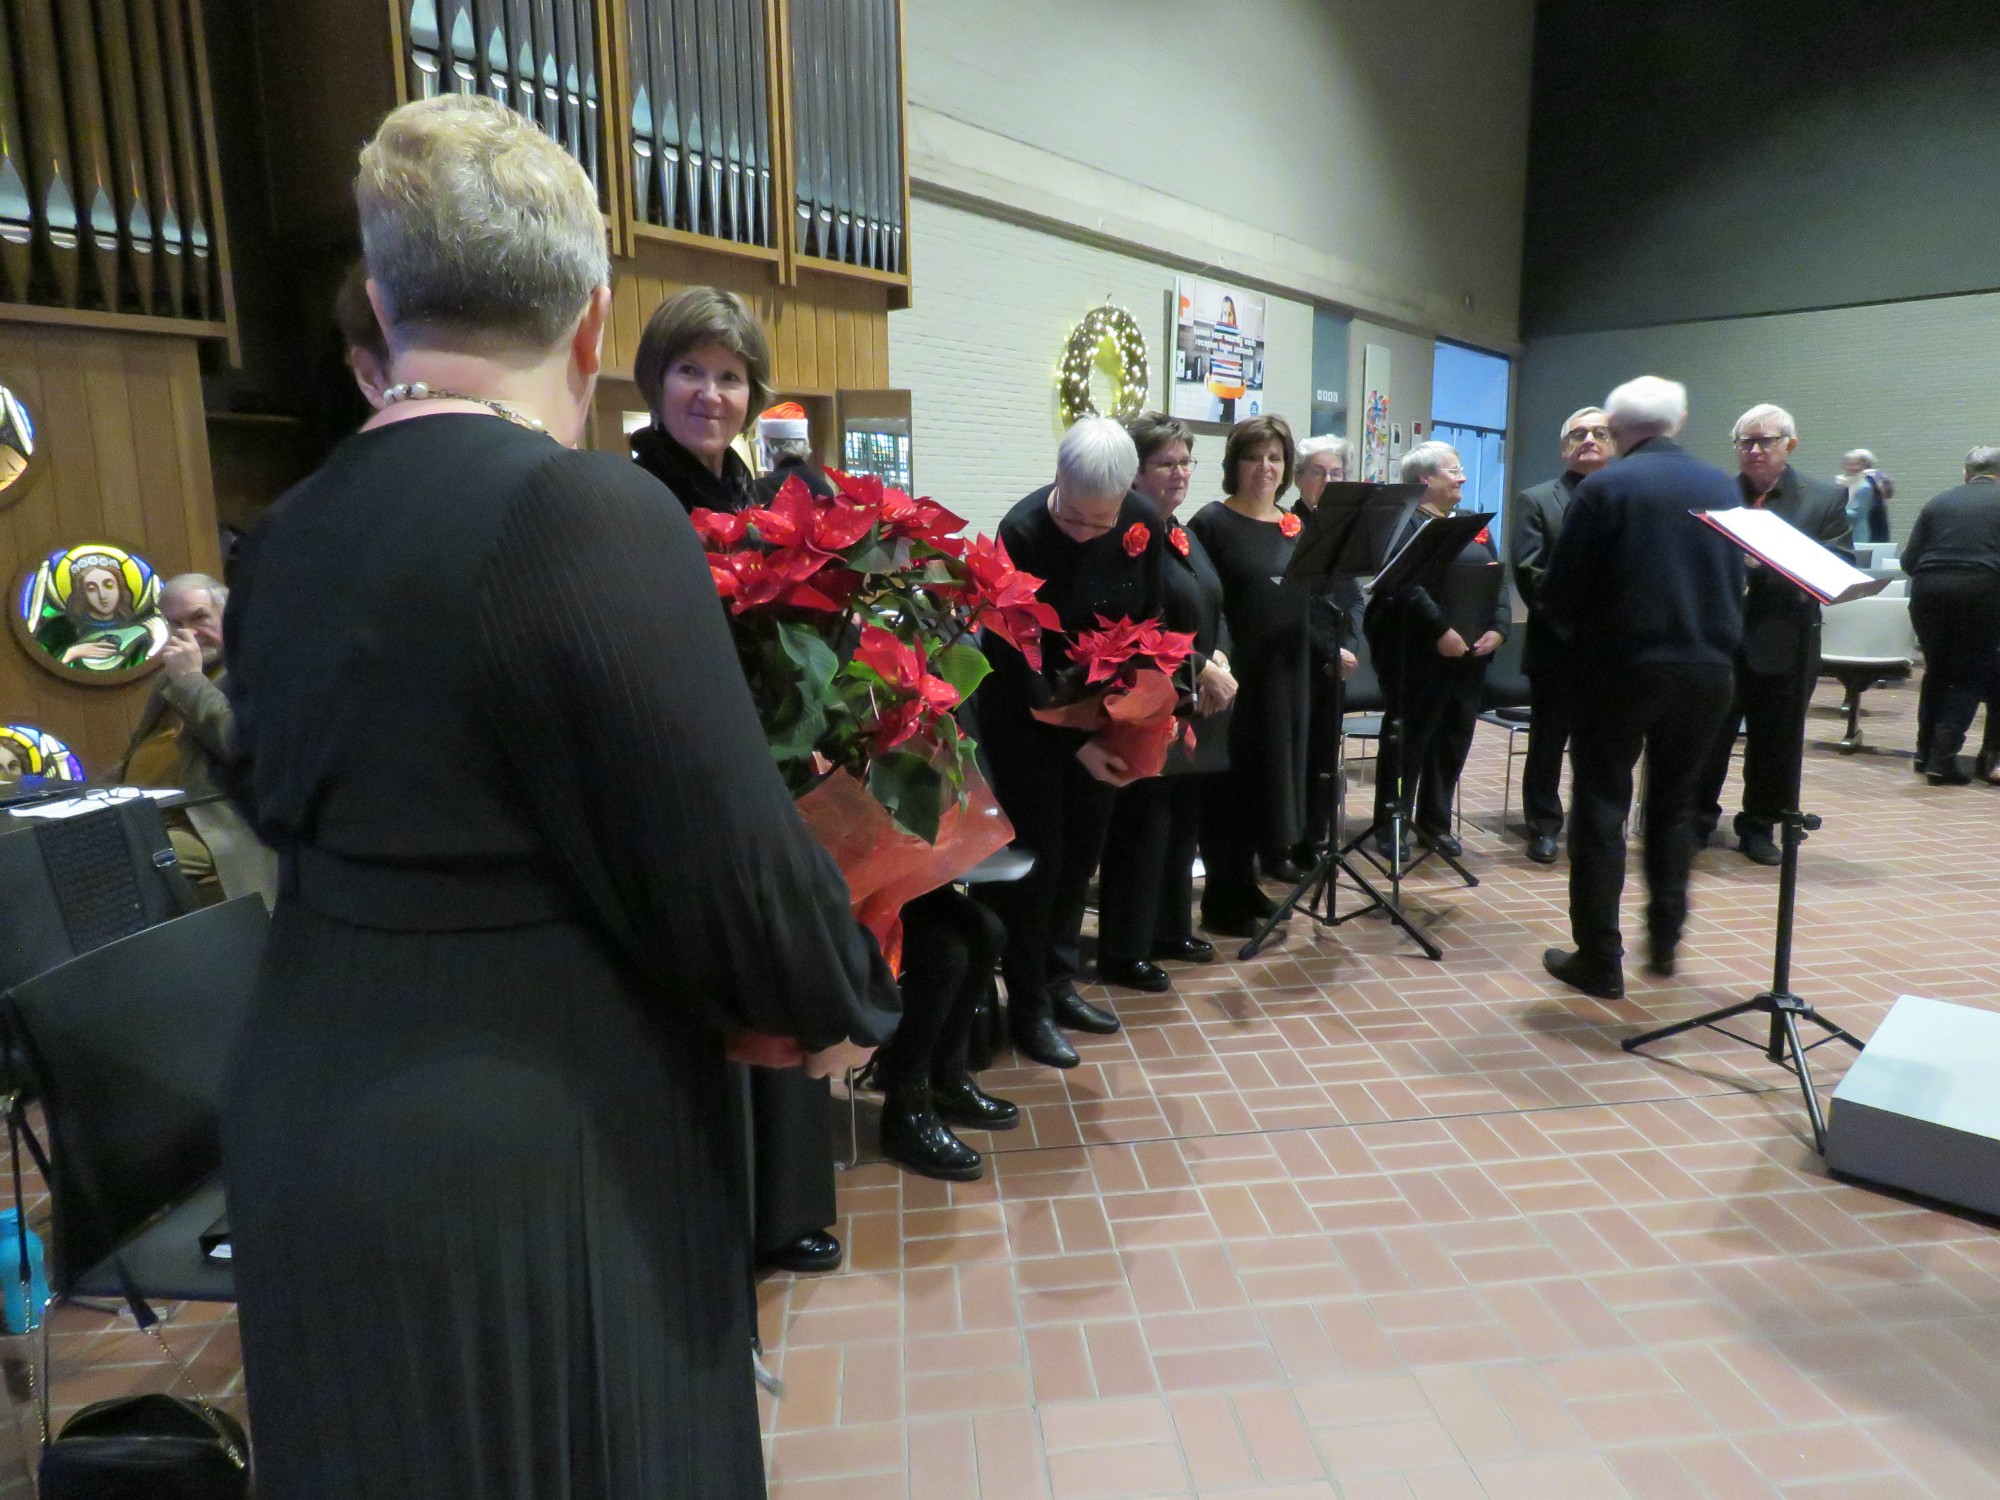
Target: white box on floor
column 1920, row 1108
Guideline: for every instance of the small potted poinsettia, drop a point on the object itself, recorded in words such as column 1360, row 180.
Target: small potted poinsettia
column 1119, row 684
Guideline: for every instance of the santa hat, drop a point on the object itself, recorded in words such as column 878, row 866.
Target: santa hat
column 785, row 420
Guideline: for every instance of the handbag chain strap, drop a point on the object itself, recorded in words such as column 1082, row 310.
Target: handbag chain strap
column 201, row 1402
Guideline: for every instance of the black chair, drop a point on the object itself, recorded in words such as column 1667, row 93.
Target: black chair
column 1504, row 705
column 127, row 1047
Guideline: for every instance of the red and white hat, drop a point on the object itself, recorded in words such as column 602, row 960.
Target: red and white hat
column 785, row 420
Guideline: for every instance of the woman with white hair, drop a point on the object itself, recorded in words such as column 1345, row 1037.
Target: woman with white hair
column 1869, row 491
column 482, row 1143
column 1099, row 550
column 1430, row 651
column 1321, row 461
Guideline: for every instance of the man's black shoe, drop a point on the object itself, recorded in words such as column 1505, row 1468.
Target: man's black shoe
column 1189, row 950
column 1444, row 843
column 1137, row 975
column 1385, row 849
column 1542, row 848
column 1946, row 771
column 1236, row 924
column 1071, row 1010
column 914, row 1137
column 967, row 1105
column 1660, row 957
column 1759, row 847
column 1281, row 868
column 809, row 1253
column 1601, row 980
column 1040, row 1041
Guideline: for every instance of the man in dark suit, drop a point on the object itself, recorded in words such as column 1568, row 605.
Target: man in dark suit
column 1538, row 518
column 1778, row 663
column 1648, row 602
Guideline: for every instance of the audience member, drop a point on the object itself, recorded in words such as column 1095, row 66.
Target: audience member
column 703, row 367
column 1953, row 559
column 1254, row 812
column 1538, row 519
column 1777, row 664
column 1146, row 881
column 1100, row 550
column 785, row 437
column 1430, row 653
column 1648, row 602
column 482, row 1139
column 1869, row 491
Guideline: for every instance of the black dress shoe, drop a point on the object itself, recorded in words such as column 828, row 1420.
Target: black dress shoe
column 1075, row 1013
column 1189, row 950
column 1385, row 850
column 1542, row 848
column 1235, row 924
column 914, row 1137
column 1921, row 764
column 965, row 1104
column 1599, row 979
column 1759, row 847
column 1281, row 868
column 809, row 1253
column 1444, row 843
column 1136, row 975
column 1660, row 958
column 1946, row 771
column 1040, row 1041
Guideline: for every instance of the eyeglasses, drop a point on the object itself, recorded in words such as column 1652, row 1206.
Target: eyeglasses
column 1578, row 434
column 1177, row 466
column 1770, row 443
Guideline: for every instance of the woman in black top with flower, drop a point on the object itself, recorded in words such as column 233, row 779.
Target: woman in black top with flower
column 1146, row 882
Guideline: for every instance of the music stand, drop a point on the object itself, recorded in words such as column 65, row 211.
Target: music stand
column 1344, row 535
column 1829, row 579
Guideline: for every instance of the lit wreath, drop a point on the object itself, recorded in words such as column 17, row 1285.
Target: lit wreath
column 1101, row 326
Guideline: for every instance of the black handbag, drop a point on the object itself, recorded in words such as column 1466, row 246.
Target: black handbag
column 152, row 1447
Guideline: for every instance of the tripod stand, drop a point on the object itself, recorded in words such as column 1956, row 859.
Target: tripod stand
column 1782, row 1043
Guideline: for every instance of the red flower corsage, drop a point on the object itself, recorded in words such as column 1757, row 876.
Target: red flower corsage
column 1178, row 540
column 1136, row 538
column 1485, row 537
column 1290, row 524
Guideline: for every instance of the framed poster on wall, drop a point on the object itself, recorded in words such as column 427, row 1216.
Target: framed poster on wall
column 1218, row 352
column 1375, row 425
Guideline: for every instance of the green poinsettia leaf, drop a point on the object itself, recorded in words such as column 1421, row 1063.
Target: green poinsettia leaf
column 964, row 666
column 795, row 731
column 911, row 788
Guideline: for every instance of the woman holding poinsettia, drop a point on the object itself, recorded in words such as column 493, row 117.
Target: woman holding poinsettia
column 1255, row 812
column 1099, row 550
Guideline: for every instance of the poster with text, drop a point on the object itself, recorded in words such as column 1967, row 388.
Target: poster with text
column 1218, row 352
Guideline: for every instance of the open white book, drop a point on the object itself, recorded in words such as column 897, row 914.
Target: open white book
column 1777, row 543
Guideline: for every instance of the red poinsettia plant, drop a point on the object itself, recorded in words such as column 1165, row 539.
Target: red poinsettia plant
column 1119, row 684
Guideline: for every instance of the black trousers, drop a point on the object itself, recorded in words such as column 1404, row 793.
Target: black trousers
column 1772, row 709
column 1957, row 618
column 791, row 1125
column 1671, row 715
column 1550, row 710
column 950, row 945
column 1145, row 882
column 1439, row 707
column 1059, row 812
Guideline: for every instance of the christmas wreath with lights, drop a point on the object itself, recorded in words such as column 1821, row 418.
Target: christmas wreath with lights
column 1103, row 326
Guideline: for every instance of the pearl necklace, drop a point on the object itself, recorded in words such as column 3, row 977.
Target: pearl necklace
column 416, row 390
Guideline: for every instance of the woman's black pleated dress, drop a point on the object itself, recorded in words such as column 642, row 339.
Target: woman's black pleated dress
column 483, row 1149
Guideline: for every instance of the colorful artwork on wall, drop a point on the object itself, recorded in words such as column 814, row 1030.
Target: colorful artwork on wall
column 27, row 751
column 1218, row 352
column 91, row 612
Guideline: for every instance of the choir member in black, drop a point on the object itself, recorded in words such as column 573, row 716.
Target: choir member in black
column 704, row 367
column 1145, row 886
column 1538, row 519
column 1100, row 551
column 1777, row 666
column 1443, row 643
column 1648, row 602
column 1953, row 559
column 484, row 1168
column 1254, row 812
column 1334, row 623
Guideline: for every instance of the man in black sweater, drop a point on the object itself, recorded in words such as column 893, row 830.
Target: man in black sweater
column 1648, row 602
column 1953, row 559
column 1778, row 662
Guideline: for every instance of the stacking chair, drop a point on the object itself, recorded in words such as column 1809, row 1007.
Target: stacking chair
column 1865, row 642
column 1505, row 706
column 126, row 1047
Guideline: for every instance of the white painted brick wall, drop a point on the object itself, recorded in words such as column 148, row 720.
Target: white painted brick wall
column 992, row 305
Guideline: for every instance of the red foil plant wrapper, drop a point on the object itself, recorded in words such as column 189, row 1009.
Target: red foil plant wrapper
column 1120, row 686
column 853, row 616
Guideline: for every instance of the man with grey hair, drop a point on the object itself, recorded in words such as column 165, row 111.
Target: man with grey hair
column 1953, row 559
column 1100, row 550
column 1779, row 660
column 1648, row 603
column 1585, row 437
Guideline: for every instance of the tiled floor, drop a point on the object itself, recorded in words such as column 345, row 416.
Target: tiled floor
column 1343, row 1222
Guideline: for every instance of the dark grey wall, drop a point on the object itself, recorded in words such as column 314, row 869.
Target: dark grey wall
column 1710, row 158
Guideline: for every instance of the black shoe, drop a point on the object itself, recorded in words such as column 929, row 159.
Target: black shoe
column 1305, row 854
column 1189, row 950
column 1601, row 980
column 1257, row 904
column 1136, row 975
column 1281, row 868
column 806, row 1255
column 1660, row 956
column 1946, row 771
column 1542, row 848
column 1040, row 1041
column 1444, row 843
column 914, row 1137
column 1758, row 846
column 1921, row 764
column 1074, row 1013
column 1234, row 924
column 967, row 1105
column 1385, row 849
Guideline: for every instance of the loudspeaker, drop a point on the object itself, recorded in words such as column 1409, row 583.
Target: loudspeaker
column 1920, row 1108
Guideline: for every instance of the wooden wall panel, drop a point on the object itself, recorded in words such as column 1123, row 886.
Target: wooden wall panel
column 122, row 454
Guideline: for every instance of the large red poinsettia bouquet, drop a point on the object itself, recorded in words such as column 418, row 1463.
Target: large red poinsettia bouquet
column 854, row 616
column 1119, row 684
